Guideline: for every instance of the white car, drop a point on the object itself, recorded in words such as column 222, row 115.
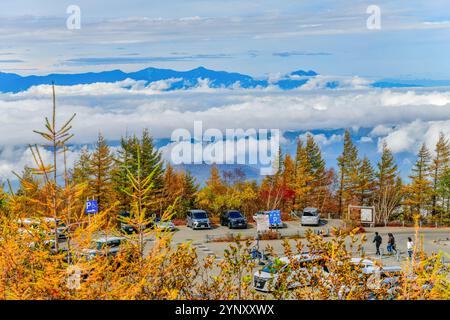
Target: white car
column 164, row 225
column 310, row 216
column 377, row 276
column 266, row 279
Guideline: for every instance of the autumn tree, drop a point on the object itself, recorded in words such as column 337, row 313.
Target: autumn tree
column 388, row 185
column 420, row 188
column 211, row 196
column 189, row 192
column 100, row 167
column 443, row 191
column 303, row 178
column 272, row 187
column 56, row 141
column 439, row 165
column 365, row 182
column 287, row 182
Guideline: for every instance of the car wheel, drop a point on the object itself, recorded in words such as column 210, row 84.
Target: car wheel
column 229, row 225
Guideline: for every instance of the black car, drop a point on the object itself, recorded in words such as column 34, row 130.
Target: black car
column 233, row 219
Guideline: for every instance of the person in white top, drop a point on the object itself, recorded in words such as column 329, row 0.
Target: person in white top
column 410, row 247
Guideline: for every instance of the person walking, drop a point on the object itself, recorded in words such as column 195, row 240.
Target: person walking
column 391, row 243
column 410, row 247
column 377, row 240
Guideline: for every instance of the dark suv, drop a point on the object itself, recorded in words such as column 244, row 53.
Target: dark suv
column 233, row 219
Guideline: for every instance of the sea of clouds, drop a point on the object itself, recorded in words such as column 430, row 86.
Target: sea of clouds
column 404, row 118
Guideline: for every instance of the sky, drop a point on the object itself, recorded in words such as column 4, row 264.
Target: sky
column 262, row 38
column 255, row 37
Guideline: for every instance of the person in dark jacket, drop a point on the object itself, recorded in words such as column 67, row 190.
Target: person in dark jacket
column 391, row 243
column 377, row 240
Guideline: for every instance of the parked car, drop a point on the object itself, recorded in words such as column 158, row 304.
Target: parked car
column 271, row 225
column 103, row 246
column 376, row 277
column 166, row 225
column 233, row 219
column 125, row 227
column 61, row 228
column 197, row 219
column 51, row 225
column 129, row 228
column 266, row 279
column 310, row 216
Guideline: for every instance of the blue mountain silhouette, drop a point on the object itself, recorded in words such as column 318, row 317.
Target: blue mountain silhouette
column 11, row 82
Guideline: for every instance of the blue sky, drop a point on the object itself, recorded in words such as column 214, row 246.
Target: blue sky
column 254, row 37
column 262, row 38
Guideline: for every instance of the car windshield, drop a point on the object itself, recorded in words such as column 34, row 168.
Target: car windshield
column 309, row 213
column 200, row 215
column 271, row 268
column 235, row 214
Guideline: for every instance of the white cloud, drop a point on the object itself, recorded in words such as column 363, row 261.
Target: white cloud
column 321, row 82
column 366, row 140
column 322, row 139
column 129, row 106
column 409, row 137
column 16, row 158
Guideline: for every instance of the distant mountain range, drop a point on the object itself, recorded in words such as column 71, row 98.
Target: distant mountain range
column 11, row 82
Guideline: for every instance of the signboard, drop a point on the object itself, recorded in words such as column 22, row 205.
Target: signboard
column 262, row 222
column 275, row 217
column 91, row 207
column 367, row 215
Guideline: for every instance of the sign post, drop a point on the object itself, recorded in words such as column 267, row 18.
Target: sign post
column 91, row 208
column 262, row 223
column 367, row 214
column 275, row 218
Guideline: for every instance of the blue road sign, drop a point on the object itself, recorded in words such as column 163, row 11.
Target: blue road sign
column 274, row 217
column 91, row 207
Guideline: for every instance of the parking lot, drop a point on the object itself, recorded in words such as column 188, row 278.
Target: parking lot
column 434, row 240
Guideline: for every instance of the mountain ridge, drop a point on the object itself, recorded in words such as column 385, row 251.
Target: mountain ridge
column 14, row 83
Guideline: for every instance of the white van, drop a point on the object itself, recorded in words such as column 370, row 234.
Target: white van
column 310, row 264
column 310, row 216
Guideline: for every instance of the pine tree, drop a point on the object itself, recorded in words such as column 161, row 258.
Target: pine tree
column 150, row 163
column 315, row 160
column 101, row 169
column 302, row 185
column 81, row 172
column 320, row 183
column 388, row 186
column 151, row 160
column 189, row 193
column 420, row 189
column 349, row 164
column 439, row 166
column 444, row 192
column 366, row 182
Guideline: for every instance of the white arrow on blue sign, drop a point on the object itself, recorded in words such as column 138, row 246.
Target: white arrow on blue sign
column 91, row 207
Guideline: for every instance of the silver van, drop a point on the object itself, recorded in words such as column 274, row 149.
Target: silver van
column 310, row 216
column 197, row 219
